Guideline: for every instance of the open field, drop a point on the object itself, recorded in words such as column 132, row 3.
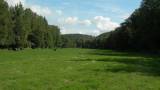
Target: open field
column 78, row 69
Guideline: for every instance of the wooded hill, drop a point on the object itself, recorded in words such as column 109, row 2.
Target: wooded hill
column 77, row 41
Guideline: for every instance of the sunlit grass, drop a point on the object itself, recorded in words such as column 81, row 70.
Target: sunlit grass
column 78, row 69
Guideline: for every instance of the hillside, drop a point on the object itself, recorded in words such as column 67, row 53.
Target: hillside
column 77, row 40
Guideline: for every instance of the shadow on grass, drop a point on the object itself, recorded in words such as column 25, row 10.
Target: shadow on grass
column 117, row 62
column 146, row 67
column 129, row 54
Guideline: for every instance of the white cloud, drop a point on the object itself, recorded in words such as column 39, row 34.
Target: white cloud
column 44, row 11
column 86, row 22
column 15, row 2
column 105, row 24
column 71, row 20
column 76, row 21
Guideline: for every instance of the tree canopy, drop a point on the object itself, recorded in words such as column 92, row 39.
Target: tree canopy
column 22, row 28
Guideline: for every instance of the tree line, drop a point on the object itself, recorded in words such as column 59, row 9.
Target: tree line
column 140, row 32
column 22, row 28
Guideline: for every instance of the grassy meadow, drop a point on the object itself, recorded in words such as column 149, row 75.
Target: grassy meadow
column 78, row 69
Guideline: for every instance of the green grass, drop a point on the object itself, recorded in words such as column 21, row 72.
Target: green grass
column 78, row 69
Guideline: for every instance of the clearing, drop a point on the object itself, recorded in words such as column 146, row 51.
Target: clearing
column 78, row 69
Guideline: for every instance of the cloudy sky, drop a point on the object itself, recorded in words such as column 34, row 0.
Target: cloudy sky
column 91, row 17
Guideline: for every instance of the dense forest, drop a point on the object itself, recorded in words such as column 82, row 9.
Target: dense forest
column 141, row 31
column 21, row 28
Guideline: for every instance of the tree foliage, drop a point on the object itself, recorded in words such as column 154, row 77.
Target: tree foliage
column 140, row 31
column 21, row 28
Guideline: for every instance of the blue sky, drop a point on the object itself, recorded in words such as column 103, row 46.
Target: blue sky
column 91, row 17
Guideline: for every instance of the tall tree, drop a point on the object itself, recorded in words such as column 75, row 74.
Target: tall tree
column 19, row 27
column 5, row 25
